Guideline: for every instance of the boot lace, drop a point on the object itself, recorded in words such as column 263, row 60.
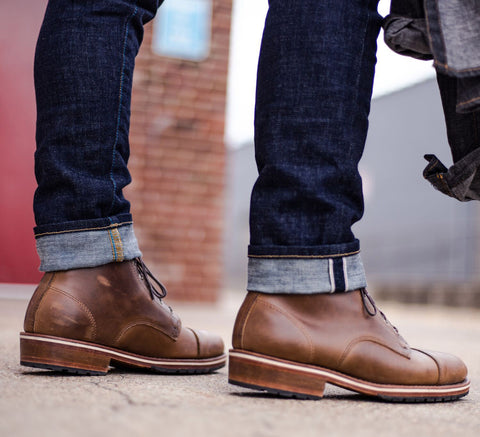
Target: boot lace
column 147, row 275
column 372, row 309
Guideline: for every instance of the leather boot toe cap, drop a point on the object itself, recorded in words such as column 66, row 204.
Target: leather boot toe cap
column 451, row 369
column 209, row 345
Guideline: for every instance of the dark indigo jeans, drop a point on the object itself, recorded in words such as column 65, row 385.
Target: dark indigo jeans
column 313, row 97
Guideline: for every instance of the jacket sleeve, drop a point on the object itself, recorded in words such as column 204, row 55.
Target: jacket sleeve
column 405, row 29
column 448, row 32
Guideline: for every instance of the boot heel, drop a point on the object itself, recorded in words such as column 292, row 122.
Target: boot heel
column 275, row 376
column 56, row 353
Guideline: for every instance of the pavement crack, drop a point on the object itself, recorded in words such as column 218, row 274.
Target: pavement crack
column 129, row 400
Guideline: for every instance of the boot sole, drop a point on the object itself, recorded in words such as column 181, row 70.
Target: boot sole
column 303, row 381
column 83, row 358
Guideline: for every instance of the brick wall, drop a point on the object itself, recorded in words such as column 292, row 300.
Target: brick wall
column 178, row 163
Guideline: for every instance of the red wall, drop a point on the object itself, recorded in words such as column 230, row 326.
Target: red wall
column 19, row 25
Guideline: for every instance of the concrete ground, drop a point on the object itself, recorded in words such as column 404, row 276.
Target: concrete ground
column 41, row 403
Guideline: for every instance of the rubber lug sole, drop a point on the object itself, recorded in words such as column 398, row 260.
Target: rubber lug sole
column 83, row 358
column 303, row 381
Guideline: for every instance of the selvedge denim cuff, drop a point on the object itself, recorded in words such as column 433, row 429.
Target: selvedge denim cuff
column 87, row 248
column 306, row 275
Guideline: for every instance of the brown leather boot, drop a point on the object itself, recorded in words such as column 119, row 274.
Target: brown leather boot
column 293, row 344
column 85, row 320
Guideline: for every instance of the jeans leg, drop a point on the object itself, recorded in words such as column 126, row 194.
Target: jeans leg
column 314, row 87
column 83, row 78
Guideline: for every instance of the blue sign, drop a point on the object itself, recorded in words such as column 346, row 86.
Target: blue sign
column 182, row 29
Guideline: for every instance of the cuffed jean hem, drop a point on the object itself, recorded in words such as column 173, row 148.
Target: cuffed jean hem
column 323, row 251
column 74, row 250
column 306, row 275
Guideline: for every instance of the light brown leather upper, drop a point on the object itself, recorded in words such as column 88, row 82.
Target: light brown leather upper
column 335, row 331
column 111, row 305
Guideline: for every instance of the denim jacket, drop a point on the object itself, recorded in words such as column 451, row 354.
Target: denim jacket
column 447, row 31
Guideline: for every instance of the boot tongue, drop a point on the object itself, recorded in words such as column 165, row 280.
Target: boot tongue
column 158, row 295
column 370, row 307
